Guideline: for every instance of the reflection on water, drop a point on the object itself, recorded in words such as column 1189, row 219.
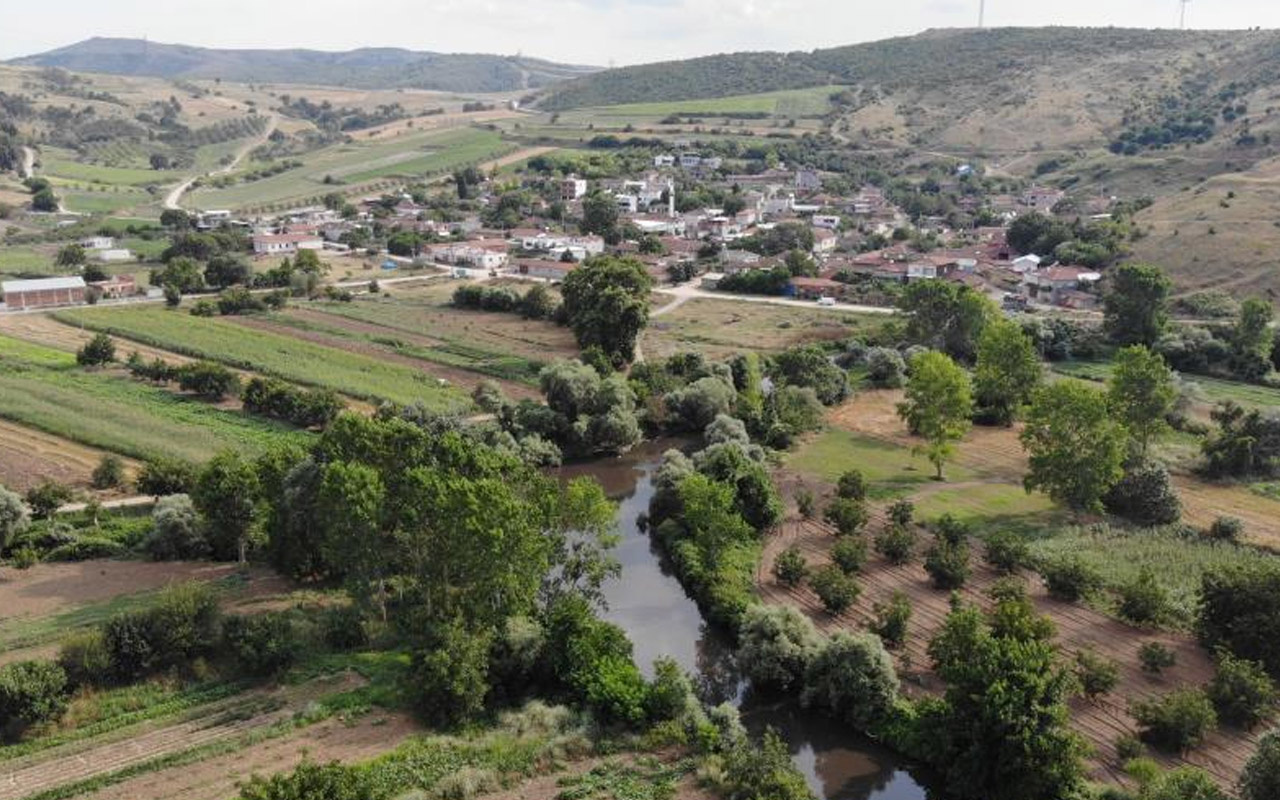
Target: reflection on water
column 650, row 605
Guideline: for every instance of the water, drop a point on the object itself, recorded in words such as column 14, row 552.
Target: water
column 651, row 606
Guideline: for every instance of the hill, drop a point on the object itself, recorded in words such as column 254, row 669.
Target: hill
column 370, row 68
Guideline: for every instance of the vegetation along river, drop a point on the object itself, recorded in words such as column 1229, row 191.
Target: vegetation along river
column 649, row 603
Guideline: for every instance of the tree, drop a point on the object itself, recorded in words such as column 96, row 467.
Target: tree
column 1241, row 691
column 71, row 255
column 99, row 350
column 1076, row 450
column 600, row 214
column 809, row 366
column 1135, row 310
column 938, row 406
column 835, row 589
column 175, row 219
column 1240, row 611
column 226, row 270
column 790, row 567
column 777, row 643
column 109, row 473
column 1007, row 371
column 14, row 517
column 451, row 680
column 606, row 302
column 45, row 200
column 1260, row 779
column 176, row 533
column 226, row 495
column 165, row 476
column 853, row 678
column 182, row 273
column 1252, row 340
column 1176, row 722
column 208, row 379
column 46, row 498
column 1183, row 783
column 30, row 692
column 1141, row 394
column 946, row 316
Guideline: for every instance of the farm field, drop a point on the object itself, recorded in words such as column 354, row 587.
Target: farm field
column 29, row 457
column 409, row 155
column 788, row 103
column 1211, row 390
column 288, row 357
column 109, row 411
column 722, row 328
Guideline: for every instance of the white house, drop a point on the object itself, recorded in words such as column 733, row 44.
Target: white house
column 98, row 243
column 271, row 244
column 1027, row 263
column 572, row 188
column 550, row 243
column 829, row 221
column 664, row 161
column 114, row 256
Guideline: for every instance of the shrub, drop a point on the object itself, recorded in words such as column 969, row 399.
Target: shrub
column 670, row 694
column 99, row 350
column 204, row 308
column 262, row 644
column 805, row 503
column 790, row 567
column 901, row 512
column 1014, row 616
column 1128, row 747
column 165, row 476
column 1177, row 722
column 852, row 485
column 852, row 677
column 1261, row 777
column 1183, row 783
column 892, row 620
column 1097, row 675
column 342, row 628
column 25, row 558
column 14, row 517
column 450, row 680
column 1144, row 600
column 1007, row 552
column 947, row 564
column 1145, row 496
column 84, row 658
column 182, row 625
column 835, row 589
column 208, row 379
column 897, row 544
column 885, row 368
column 1226, row 529
column 1070, row 579
column 951, row 530
column 109, row 473
column 776, row 645
column 47, row 498
column 31, row 692
column 764, row 771
column 1241, row 691
column 1156, row 658
column 176, row 532
column 1240, row 610
column 846, row 515
column 849, row 554
column 332, row 781
column 87, row 549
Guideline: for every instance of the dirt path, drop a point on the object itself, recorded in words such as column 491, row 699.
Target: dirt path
column 172, row 200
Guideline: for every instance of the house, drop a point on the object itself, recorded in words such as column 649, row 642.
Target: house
column 116, row 287
column 548, row 270
column 664, row 161
column 1039, row 198
column 1027, row 263
column 114, row 255
column 738, row 260
column 830, row 222
column 43, row 293
column 98, row 243
column 824, row 241
column 816, row 288
column 808, row 180
column 690, row 160
column 541, row 241
column 572, row 188
column 711, row 281
column 271, row 244
column 1058, row 285
column 477, row 254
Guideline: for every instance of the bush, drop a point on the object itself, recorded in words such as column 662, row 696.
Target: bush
column 1145, row 496
column 885, row 368
column 790, row 567
column 99, row 350
column 901, row 512
column 776, row 644
column 1177, row 722
column 671, row 693
column 1240, row 610
column 1156, row 658
column 45, row 499
column 109, row 473
column 852, row 485
column 176, row 532
column 947, row 564
column 952, row 531
column 25, row 558
column 165, row 476
column 87, row 549
column 84, row 658
column 1241, row 691
column 1183, row 783
column 852, row 678
column 1070, row 579
column 15, row 518
column 450, row 680
column 1007, row 552
column 1129, row 747
column 897, row 544
column 847, row 516
column 763, row 772
column 1226, row 529
column 1097, row 675
column 1261, row 777
column 342, row 628
column 806, row 504
column 183, row 624
column 331, row 781
column 1144, row 600
column 31, row 692
column 892, row 620
column 261, row 644
column 835, row 589
column 208, row 379
column 849, row 554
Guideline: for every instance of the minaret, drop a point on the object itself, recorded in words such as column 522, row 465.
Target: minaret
column 671, row 198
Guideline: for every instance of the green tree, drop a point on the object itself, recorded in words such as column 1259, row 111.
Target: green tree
column 46, row 498
column 600, row 214
column 182, row 273
column 350, row 500
column 1007, row 371
column 71, row 255
column 451, row 679
column 99, row 350
column 30, row 692
column 109, row 474
column 606, row 302
column 1261, row 777
column 853, row 678
column 1076, row 449
column 1252, row 340
column 45, row 200
column 226, row 495
column 1141, row 393
column 938, row 406
column 1135, row 310
column 14, row 517
column 946, row 316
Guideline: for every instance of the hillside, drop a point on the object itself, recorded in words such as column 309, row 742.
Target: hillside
column 370, row 68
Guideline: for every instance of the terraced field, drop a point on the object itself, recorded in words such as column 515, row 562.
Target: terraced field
column 270, row 353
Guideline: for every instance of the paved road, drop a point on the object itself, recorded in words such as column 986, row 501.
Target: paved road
column 172, row 200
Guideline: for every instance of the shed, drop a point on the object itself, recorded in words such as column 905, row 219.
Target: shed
column 43, row 293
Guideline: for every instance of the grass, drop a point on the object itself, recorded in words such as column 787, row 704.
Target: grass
column 992, row 505
column 1213, row 390
column 18, row 350
column 283, row 356
column 789, row 103
column 113, row 412
column 886, row 466
column 1177, row 559
column 61, row 167
column 23, row 260
column 103, row 202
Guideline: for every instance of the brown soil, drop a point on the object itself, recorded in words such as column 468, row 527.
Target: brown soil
column 29, row 457
column 47, row 589
column 217, row 778
column 1100, row 722
column 44, row 329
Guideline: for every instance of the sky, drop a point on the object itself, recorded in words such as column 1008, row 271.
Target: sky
column 597, row 32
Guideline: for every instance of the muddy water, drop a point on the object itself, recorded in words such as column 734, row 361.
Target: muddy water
column 649, row 603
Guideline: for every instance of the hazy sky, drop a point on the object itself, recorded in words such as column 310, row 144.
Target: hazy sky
column 582, row 31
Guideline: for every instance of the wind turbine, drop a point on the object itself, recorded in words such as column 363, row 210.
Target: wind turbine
column 982, row 13
column 1182, row 21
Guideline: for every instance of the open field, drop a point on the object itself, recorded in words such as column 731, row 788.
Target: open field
column 788, row 103
column 1210, row 391
column 722, row 328
column 29, row 457
column 270, row 353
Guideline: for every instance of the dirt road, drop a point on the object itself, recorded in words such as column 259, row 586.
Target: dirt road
column 171, row 201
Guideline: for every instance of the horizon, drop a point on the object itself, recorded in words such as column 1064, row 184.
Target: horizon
column 600, row 33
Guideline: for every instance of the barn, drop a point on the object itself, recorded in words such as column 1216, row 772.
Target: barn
column 43, row 293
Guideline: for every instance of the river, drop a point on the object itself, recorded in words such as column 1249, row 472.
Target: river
column 651, row 606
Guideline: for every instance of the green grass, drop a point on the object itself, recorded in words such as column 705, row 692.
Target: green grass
column 18, row 350
column 885, row 465
column 1213, row 390
column 102, row 202
column 273, row 354
column 116, row 176
column 792, row 103
column 113, row 412
column 992, row 505
column 1119, row 555
column 23, row 260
